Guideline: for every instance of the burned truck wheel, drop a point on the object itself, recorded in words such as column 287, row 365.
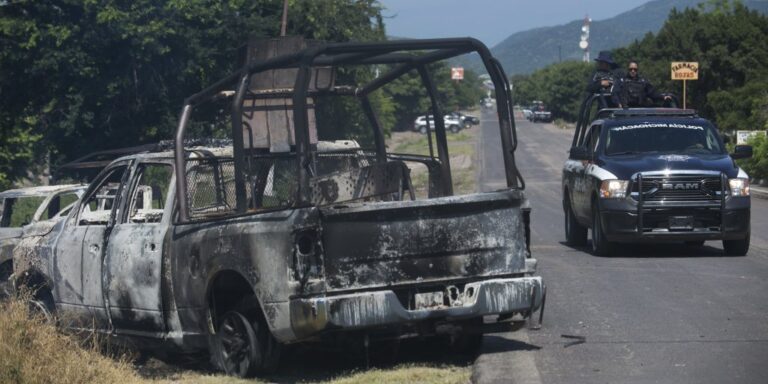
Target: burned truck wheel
column 41, row 306
column 243, row 347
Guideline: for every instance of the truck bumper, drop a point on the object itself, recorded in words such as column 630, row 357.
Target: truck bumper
column 363, row 310
column 621, row 222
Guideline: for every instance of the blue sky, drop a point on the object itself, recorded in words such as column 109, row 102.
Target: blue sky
column 491, row 21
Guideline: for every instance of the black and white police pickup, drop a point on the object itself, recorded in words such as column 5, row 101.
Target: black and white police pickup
column 638, row 175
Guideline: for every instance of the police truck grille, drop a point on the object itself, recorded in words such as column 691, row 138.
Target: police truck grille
column 679, row 188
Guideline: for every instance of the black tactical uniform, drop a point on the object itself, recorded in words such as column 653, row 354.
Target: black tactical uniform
column 638, row 92
column 614, row 89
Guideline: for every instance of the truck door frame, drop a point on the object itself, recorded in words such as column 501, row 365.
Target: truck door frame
column 79, row 254
column 133, row 266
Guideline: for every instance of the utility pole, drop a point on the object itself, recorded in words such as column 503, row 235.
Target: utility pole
column 284, row 24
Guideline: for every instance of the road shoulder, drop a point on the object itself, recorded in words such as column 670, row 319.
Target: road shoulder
column 506, row 358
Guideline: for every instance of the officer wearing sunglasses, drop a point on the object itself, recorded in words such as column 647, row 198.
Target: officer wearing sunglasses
column 637, row 91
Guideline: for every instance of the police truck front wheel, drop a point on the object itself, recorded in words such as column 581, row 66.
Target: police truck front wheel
column 600, row 245
column 736, row 247
column 575, row 233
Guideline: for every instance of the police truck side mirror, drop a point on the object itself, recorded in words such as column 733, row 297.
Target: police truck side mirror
column 742, row 152
column 580, row 153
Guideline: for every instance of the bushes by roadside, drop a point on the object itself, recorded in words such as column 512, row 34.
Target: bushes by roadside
column 757, row 166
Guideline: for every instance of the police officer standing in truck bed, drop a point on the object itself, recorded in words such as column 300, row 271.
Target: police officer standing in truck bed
column 605, row 79
column 636, row 90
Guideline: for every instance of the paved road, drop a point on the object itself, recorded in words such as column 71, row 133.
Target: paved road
column 652, row 314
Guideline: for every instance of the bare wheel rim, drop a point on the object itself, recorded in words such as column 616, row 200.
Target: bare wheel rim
column 235, row 344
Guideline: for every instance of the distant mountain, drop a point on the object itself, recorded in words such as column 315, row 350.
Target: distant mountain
column 527, row 51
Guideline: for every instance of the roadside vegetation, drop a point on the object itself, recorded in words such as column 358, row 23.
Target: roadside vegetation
column 103, row 75
column 35, row 352
column 725, row 37
column 757, row 166
column 32, row 351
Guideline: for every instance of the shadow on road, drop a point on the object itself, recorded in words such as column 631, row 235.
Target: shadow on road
column 656, row 250
column 500, row 344
column 312, row 363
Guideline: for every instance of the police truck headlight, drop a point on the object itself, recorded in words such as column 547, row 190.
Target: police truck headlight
column 739, row 186
column 614, row 189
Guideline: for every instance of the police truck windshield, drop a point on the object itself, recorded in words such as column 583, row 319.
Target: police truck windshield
column 688, row 138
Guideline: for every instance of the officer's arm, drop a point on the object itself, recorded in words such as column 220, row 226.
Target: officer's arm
column 651, row 92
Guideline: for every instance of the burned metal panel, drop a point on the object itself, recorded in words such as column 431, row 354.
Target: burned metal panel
column 9, row 237
column 133, row 269
column 259, row 247
column 32, row 255
column 382, row 307
column 392, row 243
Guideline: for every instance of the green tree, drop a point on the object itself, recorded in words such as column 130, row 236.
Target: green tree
column 728, row 41
column 84, row 75
column 560, row 86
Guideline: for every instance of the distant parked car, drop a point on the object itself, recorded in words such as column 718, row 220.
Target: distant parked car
column 527, row 113
column 466, row 120
column 452, row 123
column 539, row 112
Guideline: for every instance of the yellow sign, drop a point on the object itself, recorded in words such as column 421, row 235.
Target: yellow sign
column 685, row 70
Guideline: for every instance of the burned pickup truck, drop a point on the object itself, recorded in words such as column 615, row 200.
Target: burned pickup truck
column 290, row 234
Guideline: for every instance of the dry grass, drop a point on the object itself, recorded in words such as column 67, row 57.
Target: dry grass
column 411, row 373
column 461, row 147
column 408, row 374
column 32, row 351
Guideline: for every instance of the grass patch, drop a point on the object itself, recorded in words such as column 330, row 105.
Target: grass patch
column 32, row 351
column 461, row 148
column 562, row 124
column 408, row 374
column 418, row 144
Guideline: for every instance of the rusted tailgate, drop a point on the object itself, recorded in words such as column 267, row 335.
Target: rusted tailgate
column 371, row 245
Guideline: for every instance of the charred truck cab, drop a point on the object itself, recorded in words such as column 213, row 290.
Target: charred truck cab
column 287, row 237
column 663, row 174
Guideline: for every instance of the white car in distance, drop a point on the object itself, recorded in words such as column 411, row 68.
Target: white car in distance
column 452, row 123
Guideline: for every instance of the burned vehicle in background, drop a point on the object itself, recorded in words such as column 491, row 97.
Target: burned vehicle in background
column 24, row 207
column 292, row 235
